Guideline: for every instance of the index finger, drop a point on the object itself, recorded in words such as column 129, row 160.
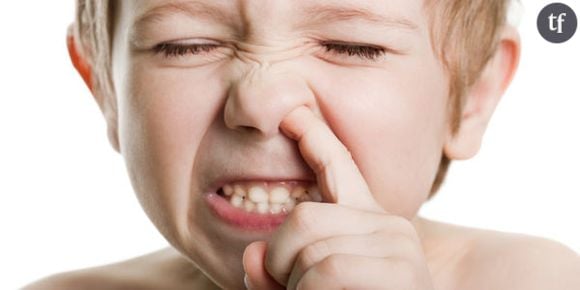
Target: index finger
column 337, row 174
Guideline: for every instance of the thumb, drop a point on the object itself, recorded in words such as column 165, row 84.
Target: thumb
column 256, row 276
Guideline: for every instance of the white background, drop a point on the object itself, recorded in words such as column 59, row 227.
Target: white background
column 65, row 198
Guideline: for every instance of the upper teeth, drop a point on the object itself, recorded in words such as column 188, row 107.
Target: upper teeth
column 262, row 197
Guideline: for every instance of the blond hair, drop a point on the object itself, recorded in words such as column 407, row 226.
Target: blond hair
column 465, row 39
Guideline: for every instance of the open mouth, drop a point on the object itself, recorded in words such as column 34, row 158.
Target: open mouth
column 262, row 206
column 269, row 197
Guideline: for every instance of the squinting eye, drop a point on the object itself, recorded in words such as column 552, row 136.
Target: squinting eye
column 174, row 49
column 366, row 52
column 363, row 51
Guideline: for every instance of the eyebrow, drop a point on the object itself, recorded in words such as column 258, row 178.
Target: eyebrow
column 320, row 14
column 313, row 14
column 195, row 9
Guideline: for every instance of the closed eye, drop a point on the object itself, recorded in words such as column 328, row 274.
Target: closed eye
column 176, row 49
column 368, row 52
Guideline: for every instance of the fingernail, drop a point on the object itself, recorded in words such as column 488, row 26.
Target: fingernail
column 246, row 283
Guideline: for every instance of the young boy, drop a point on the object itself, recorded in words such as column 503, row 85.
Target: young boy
column 290, row 144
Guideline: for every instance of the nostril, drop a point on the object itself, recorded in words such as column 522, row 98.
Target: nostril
column 248, row 130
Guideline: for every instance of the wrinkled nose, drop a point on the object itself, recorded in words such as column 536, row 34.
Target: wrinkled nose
column 260, row 99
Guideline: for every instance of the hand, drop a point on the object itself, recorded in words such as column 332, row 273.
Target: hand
column 348, row 242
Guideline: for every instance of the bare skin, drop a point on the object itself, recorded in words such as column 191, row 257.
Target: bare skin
column 458, row 258
column 282, row 104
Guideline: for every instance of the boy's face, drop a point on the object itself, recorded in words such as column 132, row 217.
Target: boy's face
column 188, row 121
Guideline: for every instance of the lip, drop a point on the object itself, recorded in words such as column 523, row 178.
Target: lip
column 239, row 218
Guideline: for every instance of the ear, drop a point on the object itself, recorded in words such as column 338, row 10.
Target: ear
column 78, row 61
column 483, row 97
column 106, row 103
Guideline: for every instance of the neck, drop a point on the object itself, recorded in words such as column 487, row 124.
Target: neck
column 180, row 273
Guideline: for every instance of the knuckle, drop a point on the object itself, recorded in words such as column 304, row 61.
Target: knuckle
column 332, row 267
column 403, row 241
column 312, row 254
column 400, row 245
column 402, row 225
column 302, row 218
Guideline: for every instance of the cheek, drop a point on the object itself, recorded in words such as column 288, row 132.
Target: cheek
column 393, row 124
column 164, row 115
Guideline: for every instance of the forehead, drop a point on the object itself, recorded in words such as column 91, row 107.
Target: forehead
column 393, row 14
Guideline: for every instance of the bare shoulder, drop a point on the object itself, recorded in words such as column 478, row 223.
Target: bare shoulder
column 497, row 260
column 144, row 272
column 85, row 279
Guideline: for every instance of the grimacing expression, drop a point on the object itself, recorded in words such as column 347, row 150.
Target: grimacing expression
column 202, row 88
